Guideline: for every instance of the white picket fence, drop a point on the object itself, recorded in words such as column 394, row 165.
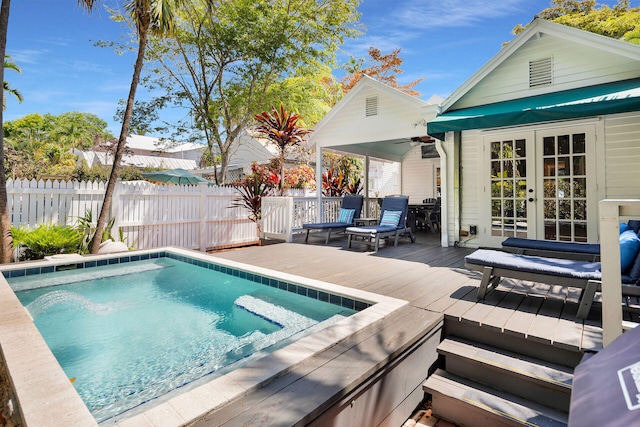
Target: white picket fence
column 146, row 215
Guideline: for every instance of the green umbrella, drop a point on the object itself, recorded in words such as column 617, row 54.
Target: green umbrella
column 175, row 176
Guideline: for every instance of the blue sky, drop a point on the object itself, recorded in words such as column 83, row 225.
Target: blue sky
column 442, row 41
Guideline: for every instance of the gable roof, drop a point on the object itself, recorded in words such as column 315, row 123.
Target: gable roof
column 585, row 75
column 365, row 82
column 537, row 29
column 349, row 127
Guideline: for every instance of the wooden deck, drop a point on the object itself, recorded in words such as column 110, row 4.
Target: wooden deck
column 434, row 278
column 536, row 317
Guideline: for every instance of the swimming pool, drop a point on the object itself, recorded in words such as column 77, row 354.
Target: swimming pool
column 258, row 305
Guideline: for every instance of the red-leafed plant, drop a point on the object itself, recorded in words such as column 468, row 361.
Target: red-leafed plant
column 335, row 185
column 281, row 128
column 260, row 183
column 332, row 185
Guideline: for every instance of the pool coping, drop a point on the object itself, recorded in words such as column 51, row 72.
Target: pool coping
column 44, row 395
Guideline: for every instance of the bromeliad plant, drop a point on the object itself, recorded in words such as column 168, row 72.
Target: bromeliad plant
column 281, row 128
column 260, row 183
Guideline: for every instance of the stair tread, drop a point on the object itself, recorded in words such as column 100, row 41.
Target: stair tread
column 558, row 375
column 499, row 403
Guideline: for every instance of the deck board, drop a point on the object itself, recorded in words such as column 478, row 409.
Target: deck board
column 434, row 278
column 436, row 284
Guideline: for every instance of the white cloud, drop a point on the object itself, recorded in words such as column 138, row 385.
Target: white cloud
column 429, row 14
column 27, row 56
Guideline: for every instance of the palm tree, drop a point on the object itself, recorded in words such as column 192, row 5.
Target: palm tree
column 6, row 250
column 10, row 65
column 155, row 16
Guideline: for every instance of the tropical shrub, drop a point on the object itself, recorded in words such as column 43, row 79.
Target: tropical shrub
column 45, row 240
column 334, row 184
column 260, row 183
column 280, row 127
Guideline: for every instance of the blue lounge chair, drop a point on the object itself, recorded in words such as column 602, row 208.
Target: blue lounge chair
column 393, row 222
column 349, row 212
column 554, row 249
column 495, row 264
column 586, row 275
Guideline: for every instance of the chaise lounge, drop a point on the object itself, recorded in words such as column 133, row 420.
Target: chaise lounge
column 393, row 222
column 559, row 270
column 495, row 264
column 349, row 212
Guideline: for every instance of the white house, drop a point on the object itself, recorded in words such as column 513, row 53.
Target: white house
column 383, row 125
column 538, row 136
column 149, row 152
column 245, row 151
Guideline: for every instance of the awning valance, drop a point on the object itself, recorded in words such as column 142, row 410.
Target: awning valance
column 609, row 98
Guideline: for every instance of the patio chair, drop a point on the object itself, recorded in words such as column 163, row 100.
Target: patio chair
column 393, row 222
column 586, row 275
column 349, row 212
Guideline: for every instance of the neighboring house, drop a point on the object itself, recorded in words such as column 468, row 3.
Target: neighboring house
column 383, row 125
column 538, row 136
column 149, row 152
column 102, row 158
column 246, row 151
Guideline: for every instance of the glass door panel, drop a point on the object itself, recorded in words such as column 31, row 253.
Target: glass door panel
column 509, row 177
column 565, row 187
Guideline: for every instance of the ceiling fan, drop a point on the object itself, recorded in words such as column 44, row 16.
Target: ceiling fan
column 418, row 140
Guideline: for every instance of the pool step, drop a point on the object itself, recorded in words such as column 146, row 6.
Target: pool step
column 486, row 386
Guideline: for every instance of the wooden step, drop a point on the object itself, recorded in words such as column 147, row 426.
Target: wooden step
column 468, row 403
column 543, row 382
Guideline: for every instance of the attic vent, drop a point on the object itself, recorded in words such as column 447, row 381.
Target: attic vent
column 540, row 72
column 371, row 106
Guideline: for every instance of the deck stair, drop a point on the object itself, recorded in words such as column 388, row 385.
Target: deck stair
column 481, row 385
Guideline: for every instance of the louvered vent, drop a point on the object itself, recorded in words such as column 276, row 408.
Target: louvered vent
column 540, row 72
column 371, row 106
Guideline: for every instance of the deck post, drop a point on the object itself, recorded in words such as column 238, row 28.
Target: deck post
column 610, row 212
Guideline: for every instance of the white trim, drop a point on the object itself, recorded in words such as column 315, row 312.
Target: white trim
column 444, row 193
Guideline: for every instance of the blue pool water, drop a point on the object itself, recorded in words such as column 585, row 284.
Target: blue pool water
column 128, row 333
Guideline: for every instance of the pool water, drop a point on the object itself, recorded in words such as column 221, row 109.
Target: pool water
column 127, row 333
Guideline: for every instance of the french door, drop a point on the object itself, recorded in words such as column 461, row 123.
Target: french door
column 511, row 187
column 567, row 207
column 538, row 185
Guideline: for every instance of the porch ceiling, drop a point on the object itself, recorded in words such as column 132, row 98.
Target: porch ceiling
column 393, row 149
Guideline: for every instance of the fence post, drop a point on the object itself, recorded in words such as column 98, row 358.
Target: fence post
column 203, row 216
column 115, row 209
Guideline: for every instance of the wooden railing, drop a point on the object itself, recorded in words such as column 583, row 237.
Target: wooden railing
column 282, row 217
column 612, row 213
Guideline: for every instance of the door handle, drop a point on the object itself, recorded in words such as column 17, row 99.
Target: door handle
column 531, row 199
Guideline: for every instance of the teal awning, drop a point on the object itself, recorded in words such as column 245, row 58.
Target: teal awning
column 609, row 98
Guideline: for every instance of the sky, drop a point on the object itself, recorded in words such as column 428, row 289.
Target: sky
column 53, row 42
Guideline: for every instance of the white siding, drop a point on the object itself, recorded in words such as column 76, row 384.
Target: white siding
column 418, row 176
column 395, row 120
column 471, row 182
column 574, row 65
column 384, row 177
column 622, row 154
